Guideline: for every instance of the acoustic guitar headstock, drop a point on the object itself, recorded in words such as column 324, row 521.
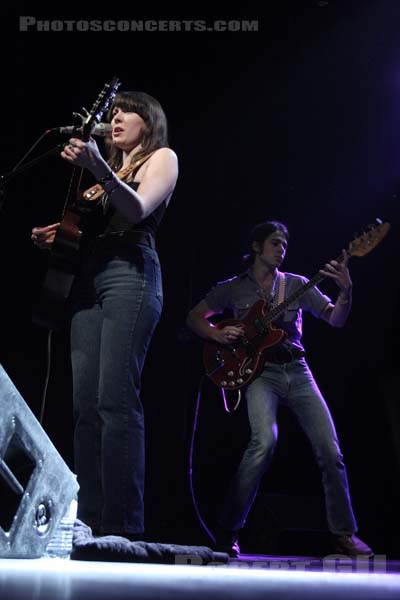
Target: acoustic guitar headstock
column 101, row 104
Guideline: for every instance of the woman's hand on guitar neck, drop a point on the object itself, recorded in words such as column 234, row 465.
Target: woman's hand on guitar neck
column 43, row 237
column 86, row 155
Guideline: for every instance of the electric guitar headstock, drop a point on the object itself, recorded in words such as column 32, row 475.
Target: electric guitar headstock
column 101, row 104
column 368, row 240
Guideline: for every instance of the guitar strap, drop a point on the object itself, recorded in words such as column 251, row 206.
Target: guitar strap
column 281, row 288
column 96, row 191
column 123, row 174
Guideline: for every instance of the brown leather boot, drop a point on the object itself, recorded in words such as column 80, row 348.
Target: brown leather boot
column 351, row 545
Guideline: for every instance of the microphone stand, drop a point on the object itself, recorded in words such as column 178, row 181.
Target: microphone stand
column 20, row 168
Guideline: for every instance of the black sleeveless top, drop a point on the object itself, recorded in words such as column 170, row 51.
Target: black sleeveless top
column 103, row 218
column 150, row 224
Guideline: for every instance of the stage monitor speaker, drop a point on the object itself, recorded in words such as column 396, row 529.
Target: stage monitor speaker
column 36, row 486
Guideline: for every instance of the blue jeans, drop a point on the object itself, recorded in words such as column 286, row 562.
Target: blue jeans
column 117, row 303
column 294, row 385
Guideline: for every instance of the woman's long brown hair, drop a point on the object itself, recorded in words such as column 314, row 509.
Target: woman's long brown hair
column 152, row 113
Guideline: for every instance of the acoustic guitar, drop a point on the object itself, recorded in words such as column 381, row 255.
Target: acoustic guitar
column 49, row 310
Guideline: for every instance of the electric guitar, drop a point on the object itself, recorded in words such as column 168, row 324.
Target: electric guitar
column 233, row 366
column 64, row 254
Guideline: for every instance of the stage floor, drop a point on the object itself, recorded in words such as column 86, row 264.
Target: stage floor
column 250, row 577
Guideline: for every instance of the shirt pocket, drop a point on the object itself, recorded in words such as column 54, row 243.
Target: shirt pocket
column 291, row 313
column 241, row 306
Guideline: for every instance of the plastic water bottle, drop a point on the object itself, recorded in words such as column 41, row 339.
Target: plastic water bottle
column 60, row 545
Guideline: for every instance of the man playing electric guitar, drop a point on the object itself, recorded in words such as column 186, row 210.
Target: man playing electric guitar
column 285, row 377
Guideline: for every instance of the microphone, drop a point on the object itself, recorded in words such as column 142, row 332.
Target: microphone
column 101, row 129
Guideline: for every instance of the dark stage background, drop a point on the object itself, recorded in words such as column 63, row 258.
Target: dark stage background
column 298, row 122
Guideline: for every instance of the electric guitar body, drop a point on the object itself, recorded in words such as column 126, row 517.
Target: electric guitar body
column 235, row 365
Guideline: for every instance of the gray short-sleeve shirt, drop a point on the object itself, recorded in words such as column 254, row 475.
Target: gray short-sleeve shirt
column 239, row 293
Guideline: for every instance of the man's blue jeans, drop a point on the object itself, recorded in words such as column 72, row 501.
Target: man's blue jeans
column 117, row 304
column 292, row 384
